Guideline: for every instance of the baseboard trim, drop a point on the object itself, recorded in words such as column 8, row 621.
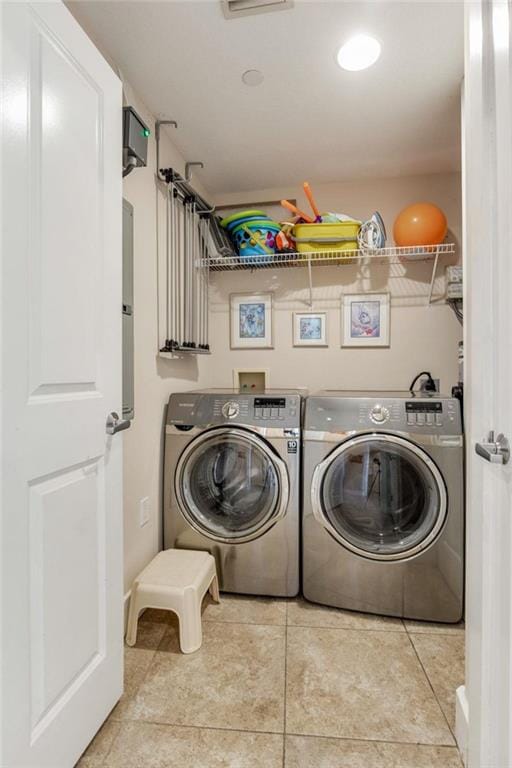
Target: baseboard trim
column 462, row 722
column 126, row 606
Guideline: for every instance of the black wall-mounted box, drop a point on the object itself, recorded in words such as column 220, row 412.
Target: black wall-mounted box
column 135, row 135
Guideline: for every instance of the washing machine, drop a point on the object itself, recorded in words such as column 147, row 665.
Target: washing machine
column 232, row 485
column 383, row 508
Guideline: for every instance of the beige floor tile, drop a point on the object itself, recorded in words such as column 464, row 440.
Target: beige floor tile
column 146, row 745
column 235, row 680
column 313, row 752
column 156, row 616
column 99, row 747
column 304, row 614
column 433, row 628
column 136, row 664
column 149, row 634
column 360, row 685
column 443, row 659
column 245, row 610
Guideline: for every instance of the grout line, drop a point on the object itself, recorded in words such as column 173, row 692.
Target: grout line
column 435, row 633
column 285, row 681
column 198, row 727
column 350, row 629
column 245, row 623
column 373, row 741
column 291, row 733
column 432, row 687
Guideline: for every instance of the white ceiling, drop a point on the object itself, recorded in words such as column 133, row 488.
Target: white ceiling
column 309, row 119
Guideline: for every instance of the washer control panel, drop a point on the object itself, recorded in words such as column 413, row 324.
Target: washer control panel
column 274, row 408
column 379, row 414
column 231, row 409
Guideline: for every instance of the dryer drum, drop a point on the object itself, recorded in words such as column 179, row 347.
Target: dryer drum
column 380, row 496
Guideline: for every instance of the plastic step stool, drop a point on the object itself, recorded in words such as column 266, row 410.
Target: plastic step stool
column 175, row 580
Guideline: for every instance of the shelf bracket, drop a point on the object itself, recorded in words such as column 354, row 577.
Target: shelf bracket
column 432, row 279
column 310, row 281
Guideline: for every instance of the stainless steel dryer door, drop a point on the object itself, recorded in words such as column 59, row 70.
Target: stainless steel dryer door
column 231, row 486
column 380, row 496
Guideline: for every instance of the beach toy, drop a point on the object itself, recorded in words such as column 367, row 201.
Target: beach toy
column 293, row 208
column 255, row 239
column 309, row 195
column 420, row 224
column 247, row 220
column 236, row 217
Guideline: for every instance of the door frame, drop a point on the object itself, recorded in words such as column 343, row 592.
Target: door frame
column 484, row 703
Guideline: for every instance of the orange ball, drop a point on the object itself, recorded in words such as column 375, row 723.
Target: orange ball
column 420, row 224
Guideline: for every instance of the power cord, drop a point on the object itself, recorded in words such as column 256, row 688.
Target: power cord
column 430, row 385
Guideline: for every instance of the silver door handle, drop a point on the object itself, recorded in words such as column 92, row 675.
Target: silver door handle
column 115, row 424
column 496, row 451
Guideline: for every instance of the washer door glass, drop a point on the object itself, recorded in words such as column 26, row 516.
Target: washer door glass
column 383, row 497
column 230, row 485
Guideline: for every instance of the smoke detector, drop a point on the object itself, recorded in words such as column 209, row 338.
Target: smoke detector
column 232, row 9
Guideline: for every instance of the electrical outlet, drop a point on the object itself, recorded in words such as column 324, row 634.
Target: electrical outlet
column 144, row 511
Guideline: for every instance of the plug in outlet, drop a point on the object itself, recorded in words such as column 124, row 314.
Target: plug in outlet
column 144, row 511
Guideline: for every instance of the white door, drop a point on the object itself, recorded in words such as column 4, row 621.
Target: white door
column 61, row 376
column 488, row 330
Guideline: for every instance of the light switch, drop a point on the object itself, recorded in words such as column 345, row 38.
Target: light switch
column 144, row 509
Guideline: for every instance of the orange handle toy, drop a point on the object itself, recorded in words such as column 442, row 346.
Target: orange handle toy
column 309, row 195
column 291, row 207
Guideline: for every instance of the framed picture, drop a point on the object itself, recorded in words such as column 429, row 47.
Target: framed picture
column 310, row 329
column 365, row 320
column 251, row 320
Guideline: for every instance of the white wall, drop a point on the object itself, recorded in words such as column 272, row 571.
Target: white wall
column 422, row 337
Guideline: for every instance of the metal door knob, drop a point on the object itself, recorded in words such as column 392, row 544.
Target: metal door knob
column 115, row 424
column 496, row 451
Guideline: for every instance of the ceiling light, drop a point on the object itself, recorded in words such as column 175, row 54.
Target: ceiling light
column 253, row 77
column 360, row 52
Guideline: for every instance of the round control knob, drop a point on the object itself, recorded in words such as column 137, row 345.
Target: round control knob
column 379, row 414
column 230, row 410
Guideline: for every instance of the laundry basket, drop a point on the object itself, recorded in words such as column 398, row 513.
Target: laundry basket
column 334, row 237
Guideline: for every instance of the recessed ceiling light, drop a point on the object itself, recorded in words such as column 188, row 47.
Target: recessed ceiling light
column 253, row 77
column 360, row 52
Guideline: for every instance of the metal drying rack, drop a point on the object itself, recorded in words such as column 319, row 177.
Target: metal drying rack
column 188, row 256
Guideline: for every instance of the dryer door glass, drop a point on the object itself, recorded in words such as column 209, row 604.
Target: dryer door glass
column 383, row 497
column 231, row 485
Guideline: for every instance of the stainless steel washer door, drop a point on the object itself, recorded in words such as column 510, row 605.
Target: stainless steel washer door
column 231, row 486
column 380, row 496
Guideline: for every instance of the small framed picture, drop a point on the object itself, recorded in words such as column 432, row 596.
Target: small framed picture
column 365, row 320
column 310, row 329
column 251, row 320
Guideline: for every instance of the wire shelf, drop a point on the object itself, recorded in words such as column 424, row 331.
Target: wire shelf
column 391, row 255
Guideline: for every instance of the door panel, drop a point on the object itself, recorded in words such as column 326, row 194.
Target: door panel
column 65, row 219
column 61, row 376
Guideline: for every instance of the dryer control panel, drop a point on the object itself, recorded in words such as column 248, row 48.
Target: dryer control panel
column 430, row 414
column 387, row 411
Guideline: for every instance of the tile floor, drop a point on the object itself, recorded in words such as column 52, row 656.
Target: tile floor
column 283, row 683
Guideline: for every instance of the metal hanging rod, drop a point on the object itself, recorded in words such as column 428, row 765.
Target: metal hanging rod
column 189, row 166
column 158, row 125
column 185, row 190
